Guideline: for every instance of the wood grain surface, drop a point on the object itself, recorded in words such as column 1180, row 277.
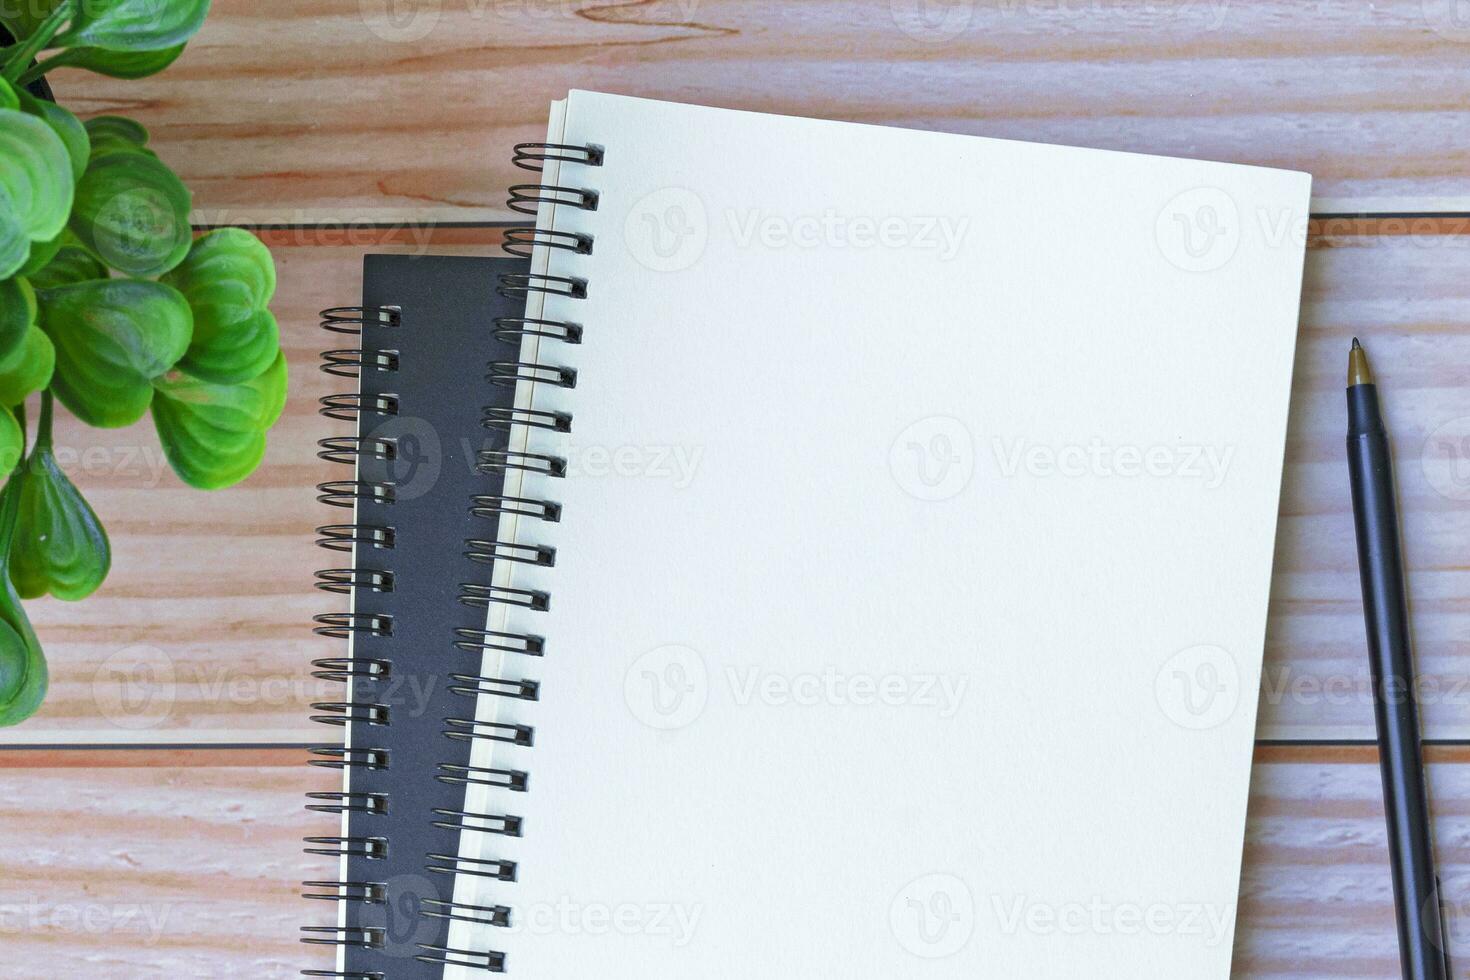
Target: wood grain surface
column 201, row 633
column 403, row 110
column 165, row 870
column 137, row 850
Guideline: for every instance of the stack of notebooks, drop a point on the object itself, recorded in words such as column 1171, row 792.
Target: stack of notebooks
column 822, row 550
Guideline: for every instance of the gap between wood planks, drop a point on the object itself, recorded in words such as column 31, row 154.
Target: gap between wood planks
column 1323, row 231
column 253, row 756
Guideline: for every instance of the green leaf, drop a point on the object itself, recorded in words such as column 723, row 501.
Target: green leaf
column 132, row 211
column 228, row 279
column 17, row 315
column 28, row 368
column 60, row 546
column 41, row 255
column 113, row 339
column 68, row 127
column 72, row 263
column 117, row 64
column 134, row 25
column 12, row 440
column 8, row 97
column 23, row 17
column 115, row 133
column 23, row 674
column 35, row 186
column 214, row 435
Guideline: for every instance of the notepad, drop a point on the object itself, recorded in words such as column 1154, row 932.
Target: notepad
column 886, row 588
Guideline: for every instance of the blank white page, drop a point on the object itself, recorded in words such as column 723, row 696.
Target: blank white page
column 910, row 588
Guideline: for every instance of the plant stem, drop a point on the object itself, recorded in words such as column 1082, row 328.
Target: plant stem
column 43, row 426
column 19, row 57
column 43, row 66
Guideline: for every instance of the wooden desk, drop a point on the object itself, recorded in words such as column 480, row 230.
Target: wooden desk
column 154, row 805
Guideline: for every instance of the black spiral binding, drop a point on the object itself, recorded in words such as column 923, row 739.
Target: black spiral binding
column 347, row 450
column 525, row 198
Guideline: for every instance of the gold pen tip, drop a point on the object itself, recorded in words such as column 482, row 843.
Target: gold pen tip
column 1358, row 370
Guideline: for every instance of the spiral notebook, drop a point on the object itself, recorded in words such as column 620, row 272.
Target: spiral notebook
column 422, row 516
column 885, row 548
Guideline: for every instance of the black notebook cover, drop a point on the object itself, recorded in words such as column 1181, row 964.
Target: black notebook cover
column 428, row 333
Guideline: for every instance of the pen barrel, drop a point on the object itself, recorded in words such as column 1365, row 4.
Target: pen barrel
column 1386, row 613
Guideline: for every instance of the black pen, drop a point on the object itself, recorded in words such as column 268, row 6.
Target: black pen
column 1386, row 611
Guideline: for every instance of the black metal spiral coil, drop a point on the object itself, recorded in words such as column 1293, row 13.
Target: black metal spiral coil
column 465, row 958
column 533, row 156
column 348, row 362
column 512, row 328
column 352, row 405
column 355, row 673
column 350, row 319
column 492, row 549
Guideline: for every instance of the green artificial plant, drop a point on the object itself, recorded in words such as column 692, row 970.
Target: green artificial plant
column 109, row 305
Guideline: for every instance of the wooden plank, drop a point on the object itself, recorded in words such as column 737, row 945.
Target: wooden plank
column 340, row 110
column 178, row 870
column 201, row 633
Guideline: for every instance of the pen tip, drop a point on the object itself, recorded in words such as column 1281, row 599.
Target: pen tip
column 1358, row 371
